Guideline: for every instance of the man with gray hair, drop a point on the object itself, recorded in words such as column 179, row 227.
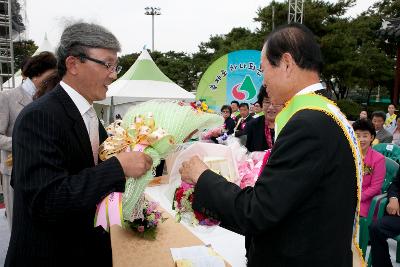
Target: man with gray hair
column 57, row 176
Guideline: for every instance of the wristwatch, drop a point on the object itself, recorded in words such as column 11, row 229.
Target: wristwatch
column 393, row 198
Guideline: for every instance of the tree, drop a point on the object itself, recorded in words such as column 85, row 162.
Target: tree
column 236, row 39
column 351, row 52
column 389, row 39
column 17, row 21
column 22, row 51
column 374, row 67
column 354, row 57
column 177, row 66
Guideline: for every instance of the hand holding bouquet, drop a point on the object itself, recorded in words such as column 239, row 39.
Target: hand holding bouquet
column 153, row 127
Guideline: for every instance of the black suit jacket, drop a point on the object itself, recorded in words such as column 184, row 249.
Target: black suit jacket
column 57, row 187
column 239, row 131
column 229, row 125
column 394, row 187
column 301, row 210
column 256, row 140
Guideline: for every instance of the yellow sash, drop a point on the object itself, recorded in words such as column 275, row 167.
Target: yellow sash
column 390, row 120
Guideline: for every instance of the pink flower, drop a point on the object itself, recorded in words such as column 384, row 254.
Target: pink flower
column 186, row 186
column 151, row 207
column 140, row 229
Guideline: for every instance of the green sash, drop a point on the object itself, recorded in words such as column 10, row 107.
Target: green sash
column 313, row 101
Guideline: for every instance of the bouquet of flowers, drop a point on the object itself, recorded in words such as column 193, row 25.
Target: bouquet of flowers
column 155, row 128
column 147, row 227
column 182, row 203
column 216, row 132
column 251, row 168
column 201, row 106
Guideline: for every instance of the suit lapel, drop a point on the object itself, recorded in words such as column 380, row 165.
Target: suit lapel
column 78, row 124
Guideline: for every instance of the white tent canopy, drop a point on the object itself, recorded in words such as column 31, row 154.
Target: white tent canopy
column 143, row 81
column 44, row 46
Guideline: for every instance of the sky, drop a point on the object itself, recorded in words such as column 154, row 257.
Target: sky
column 182, row 26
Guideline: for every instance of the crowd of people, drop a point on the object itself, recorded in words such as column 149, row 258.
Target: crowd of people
column 247, row 124
column 381, row 128
column 56, row 178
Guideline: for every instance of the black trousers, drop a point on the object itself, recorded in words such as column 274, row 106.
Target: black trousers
column 379, row 231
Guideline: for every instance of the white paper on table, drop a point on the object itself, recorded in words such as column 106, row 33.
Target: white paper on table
column 199, row 256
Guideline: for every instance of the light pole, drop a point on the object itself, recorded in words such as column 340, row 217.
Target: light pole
column 153, row 11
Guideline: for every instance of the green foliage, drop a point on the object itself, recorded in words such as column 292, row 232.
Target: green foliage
column 349, row 108
column 354, row 56
column 377, row 107
column 177, row 66
column 236, row 39
column 23, row 50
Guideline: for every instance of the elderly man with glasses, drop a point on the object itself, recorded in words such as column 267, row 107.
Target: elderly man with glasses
column 58, row 178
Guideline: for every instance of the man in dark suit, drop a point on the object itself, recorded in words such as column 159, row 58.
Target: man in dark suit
column 387, row 227
column 57, row 181
column 382, row 135
column 301, row 210
column 241, row 122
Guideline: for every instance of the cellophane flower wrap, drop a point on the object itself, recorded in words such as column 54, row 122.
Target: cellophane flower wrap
column 154, row 127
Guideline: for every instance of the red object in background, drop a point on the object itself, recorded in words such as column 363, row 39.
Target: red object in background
column 236, row 93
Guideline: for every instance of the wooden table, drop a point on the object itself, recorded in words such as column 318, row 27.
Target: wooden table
column 128, row 249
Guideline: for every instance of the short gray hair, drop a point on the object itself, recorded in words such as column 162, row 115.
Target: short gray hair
column 78, row 37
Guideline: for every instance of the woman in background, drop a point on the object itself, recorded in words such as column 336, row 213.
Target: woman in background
column 374, row 164
column 37, row 70
column 261, row 130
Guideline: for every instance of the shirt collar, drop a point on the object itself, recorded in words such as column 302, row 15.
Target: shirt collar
column 80, row 102
column 29, row 87
column 312, row 88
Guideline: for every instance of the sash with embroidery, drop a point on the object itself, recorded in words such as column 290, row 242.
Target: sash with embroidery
column 313, row 101
column 390, row 120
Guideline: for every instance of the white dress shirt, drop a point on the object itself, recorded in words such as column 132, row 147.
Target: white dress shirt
column 311, row 88
column 80, row 102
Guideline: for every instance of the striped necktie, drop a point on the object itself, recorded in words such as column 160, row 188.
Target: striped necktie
column 94, row 133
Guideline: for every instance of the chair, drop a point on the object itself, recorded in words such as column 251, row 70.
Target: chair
column 381, row 211
column 391, row 172
column 391, row 151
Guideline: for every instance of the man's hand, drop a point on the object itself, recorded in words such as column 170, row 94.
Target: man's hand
column 393, row 207
column 134, row 164
column 192, row 169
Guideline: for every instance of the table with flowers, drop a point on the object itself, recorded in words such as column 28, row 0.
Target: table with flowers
column 131, row 250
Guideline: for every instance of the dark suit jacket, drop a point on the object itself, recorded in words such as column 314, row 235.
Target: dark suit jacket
column 57, row 187
column 301, row 210
column 239, row 131
column 394, row 188
column 256, row 140
column 229, row 125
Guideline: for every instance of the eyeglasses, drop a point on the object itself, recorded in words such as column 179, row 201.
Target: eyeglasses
column 267, row 103
column 110, row 67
